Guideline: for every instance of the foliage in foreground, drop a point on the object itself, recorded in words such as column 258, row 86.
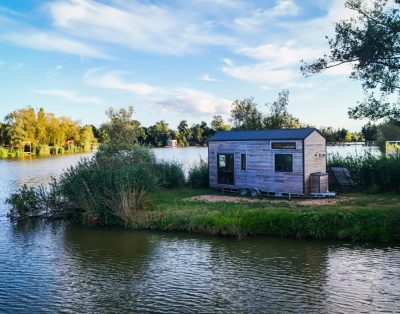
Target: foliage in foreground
column 369, row 41
column 107, row 189
column 372, row 173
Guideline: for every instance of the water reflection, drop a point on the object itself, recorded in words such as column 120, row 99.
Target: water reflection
column 63, row 267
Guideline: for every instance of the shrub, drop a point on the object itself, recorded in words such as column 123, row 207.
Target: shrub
column 198, row 175
column 3, row 152
column 170, row 174
column 26, row 202
column 13, row 153
column 43, row 150
column 53, row 150
column 111, row 184
column 372, row 173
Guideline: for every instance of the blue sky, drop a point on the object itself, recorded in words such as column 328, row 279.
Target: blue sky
column 171, row 60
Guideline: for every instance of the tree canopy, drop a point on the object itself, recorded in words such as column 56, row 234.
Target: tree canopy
column 246, row 116
column 42, row 130
column 370, row 43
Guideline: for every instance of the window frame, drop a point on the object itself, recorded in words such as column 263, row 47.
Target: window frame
column 226, row 164
column 283, row 142
column 292, row 163
column 243, row 165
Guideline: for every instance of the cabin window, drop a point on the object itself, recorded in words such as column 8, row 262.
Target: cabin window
column 243, row 161
column 283, row 145
column 283, row 163
column 226, row 169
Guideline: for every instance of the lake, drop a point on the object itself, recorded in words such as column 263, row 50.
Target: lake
column 65, row 267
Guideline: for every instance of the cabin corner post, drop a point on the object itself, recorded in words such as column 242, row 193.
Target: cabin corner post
column 304, row 172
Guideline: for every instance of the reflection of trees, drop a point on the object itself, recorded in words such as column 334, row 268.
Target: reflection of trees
column 265, row 273
column 105, row 266
column 106, row 245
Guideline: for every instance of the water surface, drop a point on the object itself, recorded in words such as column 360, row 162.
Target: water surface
column 60, row 266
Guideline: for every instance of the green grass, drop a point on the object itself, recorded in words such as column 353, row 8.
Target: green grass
column 354, row 216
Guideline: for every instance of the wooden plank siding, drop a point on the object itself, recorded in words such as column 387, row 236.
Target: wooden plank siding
column 314, row 160
column 260, row 172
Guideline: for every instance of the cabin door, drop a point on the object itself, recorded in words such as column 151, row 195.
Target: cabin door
column 226, row 169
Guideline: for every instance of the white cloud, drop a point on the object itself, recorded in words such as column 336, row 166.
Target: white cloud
column 70, row 95
column 176, row 99
column 262, row 74
column 187, row 100
column 227, row 61
column 52, row 42
column 277, row 64
column 284, row 8
column 114, row 80
column 262, row 16
column 289, row 53
column 148, row 27
column 206, row 77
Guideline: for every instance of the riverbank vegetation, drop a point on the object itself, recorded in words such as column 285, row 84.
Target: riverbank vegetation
column 133, row 189
column 372, row 174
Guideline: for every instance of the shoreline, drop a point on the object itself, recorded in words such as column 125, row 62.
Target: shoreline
column 355, row 217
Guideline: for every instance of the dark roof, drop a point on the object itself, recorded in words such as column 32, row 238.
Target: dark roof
column 274, row 134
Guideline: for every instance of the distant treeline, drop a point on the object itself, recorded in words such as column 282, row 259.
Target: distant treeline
column 41, row 133
column 44, row 133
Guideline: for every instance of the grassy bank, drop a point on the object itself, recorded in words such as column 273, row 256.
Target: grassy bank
column 352, row 217
column 132, row 188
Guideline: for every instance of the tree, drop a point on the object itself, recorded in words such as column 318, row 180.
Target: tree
column 15, row 132
column 245, row 115
column 388, row 131
column 370, row 43
column 158, row 134
column 370, row 132
column 183, row 134
column 196, row 135
column 41, row 135
column 122, row 131
column 279, row 117
column 86, row 138
column 218, row 124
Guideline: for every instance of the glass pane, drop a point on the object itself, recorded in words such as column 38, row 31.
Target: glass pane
column 221, row 161
column 283, row 163
column 243, row 161
column 283, row 145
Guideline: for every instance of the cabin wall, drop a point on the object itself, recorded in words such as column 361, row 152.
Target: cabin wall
column 260, row 172
column 314, row 160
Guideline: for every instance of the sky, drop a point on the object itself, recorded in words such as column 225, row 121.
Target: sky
column 171, row 60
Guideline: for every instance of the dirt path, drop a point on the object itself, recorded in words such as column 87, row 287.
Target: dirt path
column 238, row 199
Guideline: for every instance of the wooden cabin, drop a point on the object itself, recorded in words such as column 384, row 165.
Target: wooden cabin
column 281, row 161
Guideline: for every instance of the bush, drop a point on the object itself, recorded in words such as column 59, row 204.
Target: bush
column 53, row 150
column 111, row 184
column 170, row 174
column 372, row 173
column 198, row 175
column 26, row 202
column 3, row 152
column 43, row 150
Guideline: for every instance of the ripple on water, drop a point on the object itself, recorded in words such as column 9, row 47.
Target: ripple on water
column 53, row 267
